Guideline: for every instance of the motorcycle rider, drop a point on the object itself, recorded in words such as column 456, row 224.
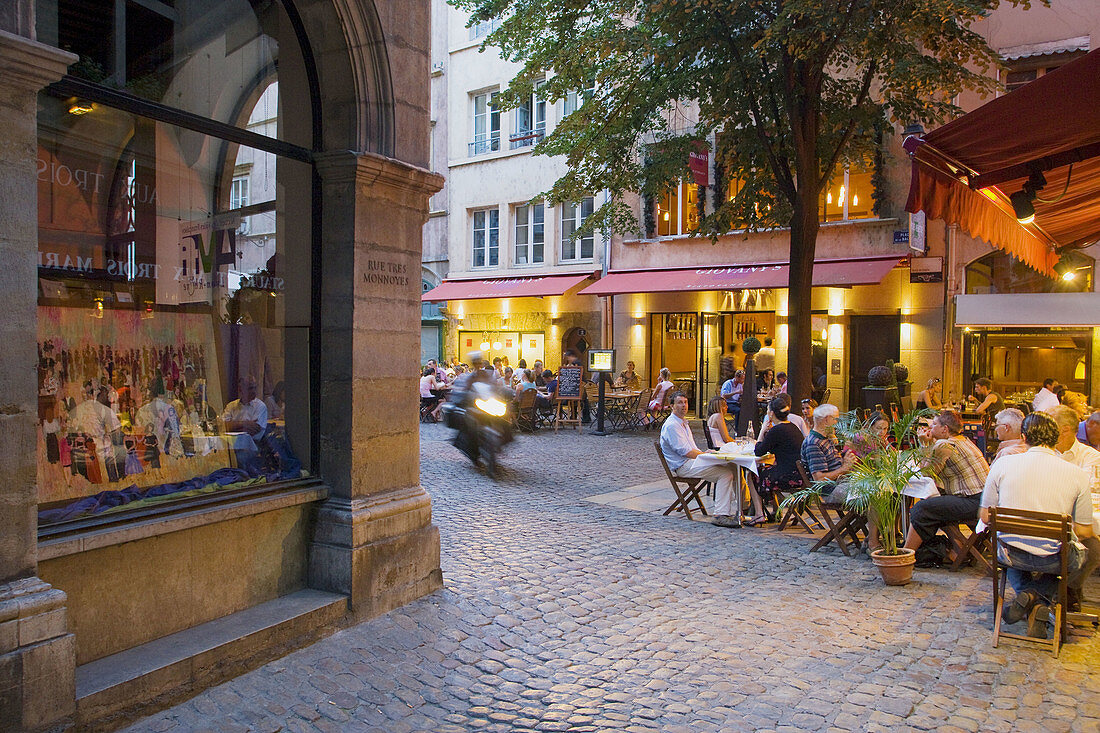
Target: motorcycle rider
column 462, row 394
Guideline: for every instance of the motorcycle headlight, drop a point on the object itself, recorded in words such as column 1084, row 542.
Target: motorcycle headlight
column 492, row 407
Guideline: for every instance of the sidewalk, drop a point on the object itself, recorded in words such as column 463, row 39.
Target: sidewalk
column 570, row 605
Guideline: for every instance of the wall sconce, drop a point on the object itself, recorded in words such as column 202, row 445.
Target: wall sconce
column 81, row 108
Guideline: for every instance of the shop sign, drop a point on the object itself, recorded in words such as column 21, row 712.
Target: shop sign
column 699, row 163
column 918, row 228
column 926, row 270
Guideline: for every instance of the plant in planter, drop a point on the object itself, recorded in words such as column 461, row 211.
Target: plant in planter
column 876, row 483
column 751, row 346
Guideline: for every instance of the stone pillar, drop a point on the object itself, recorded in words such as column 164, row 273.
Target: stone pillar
column 374, row 539
column 37, row 657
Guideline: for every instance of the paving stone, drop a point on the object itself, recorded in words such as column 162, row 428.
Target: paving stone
column 563, row 614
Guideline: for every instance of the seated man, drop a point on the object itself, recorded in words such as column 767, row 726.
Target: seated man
column 820, row 454
column 731, row 391
column 1088, row 458
column 1088, row 431
column 1045, row 397
column 959, row 469
column 680, row 451
column 1007, row 429
column 1040, row 481
column 248, row 417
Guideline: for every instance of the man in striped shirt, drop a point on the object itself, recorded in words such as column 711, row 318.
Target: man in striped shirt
column 1038, row 480
column 959, row 469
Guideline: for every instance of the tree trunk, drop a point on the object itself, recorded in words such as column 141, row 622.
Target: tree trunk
column 804, row 227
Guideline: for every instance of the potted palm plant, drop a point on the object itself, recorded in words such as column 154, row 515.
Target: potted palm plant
column 876, row 482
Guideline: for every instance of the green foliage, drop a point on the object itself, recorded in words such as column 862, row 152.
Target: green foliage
column 751, row 345
column 878, row 476
column 795, row 86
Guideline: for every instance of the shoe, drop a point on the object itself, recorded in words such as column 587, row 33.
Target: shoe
column 726, row 520
column 1020, row 607
column 1037, row 621
column 755, row 521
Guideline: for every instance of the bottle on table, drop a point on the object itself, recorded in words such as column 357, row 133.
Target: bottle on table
column 752, row 432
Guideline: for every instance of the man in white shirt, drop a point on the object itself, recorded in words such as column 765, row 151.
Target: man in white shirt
column 765, row 358
column 1045, row 398
column 731, row 392
column 1038, row 480
column 680, row 452
column 246, row 416
column 1073, row 450
column 1088, row 458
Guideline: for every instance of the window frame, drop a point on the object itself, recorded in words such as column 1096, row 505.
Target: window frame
column 487, row 141
column 572, row 224
column 489, row 249
column 529, row 226
column 534, row 107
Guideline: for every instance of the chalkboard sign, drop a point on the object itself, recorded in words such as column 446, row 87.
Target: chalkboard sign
column 569, row 382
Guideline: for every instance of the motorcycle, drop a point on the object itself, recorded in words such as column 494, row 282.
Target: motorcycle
column 484, row 424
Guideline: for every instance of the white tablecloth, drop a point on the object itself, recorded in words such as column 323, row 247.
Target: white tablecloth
column 742, row 455
column 921, row 487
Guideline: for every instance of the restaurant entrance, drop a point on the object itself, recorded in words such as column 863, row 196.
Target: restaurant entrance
column 702, row 350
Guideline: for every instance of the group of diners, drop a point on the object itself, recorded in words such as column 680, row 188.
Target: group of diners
column 436, row 380
column 1041, row 465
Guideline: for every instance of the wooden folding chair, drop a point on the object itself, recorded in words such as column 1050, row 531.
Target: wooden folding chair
column 526, row 417
column 1005, row 521
column 848, row 522
column 971, row 545
column 692, row 488
column 798, row 513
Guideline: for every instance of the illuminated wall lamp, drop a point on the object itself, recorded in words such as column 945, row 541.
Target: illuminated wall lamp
column 81, row 108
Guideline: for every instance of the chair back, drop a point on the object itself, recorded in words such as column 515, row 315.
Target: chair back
column 592, row 391
column 1044, row 525
column 642, row 405
column 807, row 479
column 708, row 436
column 526, row 399
column 664, row 464
column 826, row 395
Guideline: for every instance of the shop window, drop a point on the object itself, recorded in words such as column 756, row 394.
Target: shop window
column 530, row 234
column 486, row 124
column 161, row 323
column 486, row 238
column 572, row 217
column 530, row 120
column 848, row 195
column 678, row 210
column 1000, row 272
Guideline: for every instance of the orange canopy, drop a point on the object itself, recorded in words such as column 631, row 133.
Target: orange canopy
column 965, row 171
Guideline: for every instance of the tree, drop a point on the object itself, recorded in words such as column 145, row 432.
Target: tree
column 792, row 88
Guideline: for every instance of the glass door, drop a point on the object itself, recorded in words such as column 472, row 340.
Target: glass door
column 711, row 329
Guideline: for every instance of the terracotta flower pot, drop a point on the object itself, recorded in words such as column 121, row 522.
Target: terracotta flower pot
column 895, row 569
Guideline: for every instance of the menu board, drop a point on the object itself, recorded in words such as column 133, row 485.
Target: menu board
column 569, row 382
column 600, row 360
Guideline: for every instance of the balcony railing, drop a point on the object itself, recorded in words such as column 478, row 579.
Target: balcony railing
column 525, row 138
column 485, row 145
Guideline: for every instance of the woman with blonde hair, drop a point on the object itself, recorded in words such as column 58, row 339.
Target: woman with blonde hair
column 928, row 397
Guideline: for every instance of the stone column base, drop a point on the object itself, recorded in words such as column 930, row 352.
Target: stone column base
column 37, row 657
column 380, row 550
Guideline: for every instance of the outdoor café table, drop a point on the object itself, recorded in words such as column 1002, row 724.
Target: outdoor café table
column 617, row 404
column 738, row 453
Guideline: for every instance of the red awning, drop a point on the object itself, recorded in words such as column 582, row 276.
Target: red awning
column 965, row 171
column 739, row 277
column 511, row 287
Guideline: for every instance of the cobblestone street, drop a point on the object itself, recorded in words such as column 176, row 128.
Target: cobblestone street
column 560, row 614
